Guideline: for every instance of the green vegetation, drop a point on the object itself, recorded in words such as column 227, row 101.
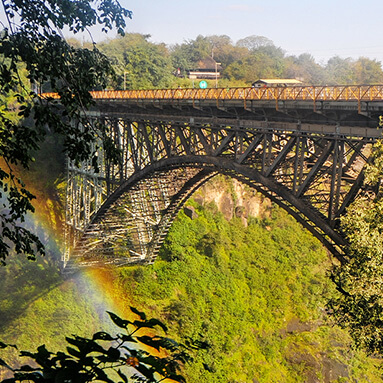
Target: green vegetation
column 108, row 358
column 359, row 307
column 34, row 57
column 141, row 64
column 138, row 62
column 256, row 294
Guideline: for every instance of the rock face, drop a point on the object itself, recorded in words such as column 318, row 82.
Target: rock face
column 233, row 199
column 190, row 212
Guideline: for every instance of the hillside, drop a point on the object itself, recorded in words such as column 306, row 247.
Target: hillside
column 254, row 287
column 243, row 275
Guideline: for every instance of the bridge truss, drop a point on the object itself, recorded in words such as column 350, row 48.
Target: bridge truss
column 122, row 213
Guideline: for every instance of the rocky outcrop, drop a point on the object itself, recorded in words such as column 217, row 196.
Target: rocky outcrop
column 190, row 212
column 233, row 199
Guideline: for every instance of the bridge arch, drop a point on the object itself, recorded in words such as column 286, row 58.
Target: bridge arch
column 134, row 220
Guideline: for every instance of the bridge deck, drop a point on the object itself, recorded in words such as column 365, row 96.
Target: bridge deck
column 353, row 105
column 292, row 93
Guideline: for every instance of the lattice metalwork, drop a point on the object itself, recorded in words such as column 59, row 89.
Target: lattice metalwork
column 300, row 92
column 122, row 213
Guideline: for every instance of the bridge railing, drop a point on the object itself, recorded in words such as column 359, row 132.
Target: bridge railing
column 293, row 93
column 357, row 93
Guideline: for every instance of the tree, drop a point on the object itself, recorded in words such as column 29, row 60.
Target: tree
column 110, row 358
column 367, row 71
column 359, row 281
column 224, row 51
column 340, row 71
column 192, row 51
column 139, row 63
column 31, row 43
column 304, row 67
column 254, row 42
column 218, row 44
column 265, row 62
column 181, row 58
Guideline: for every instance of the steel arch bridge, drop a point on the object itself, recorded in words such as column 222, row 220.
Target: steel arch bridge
column 305, row 149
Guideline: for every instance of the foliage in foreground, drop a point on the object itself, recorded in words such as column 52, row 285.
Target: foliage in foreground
column 359, row 307
column 108, row 358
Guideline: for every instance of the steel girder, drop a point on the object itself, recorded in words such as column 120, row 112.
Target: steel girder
column 122, row 213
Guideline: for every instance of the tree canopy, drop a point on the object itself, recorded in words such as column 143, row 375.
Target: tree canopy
column 138, row 63
column 145, row 64
column 34, row 56
column 359, row 307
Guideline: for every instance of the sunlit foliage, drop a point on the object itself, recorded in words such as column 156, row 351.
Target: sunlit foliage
column 33, row 57
column 360, row 279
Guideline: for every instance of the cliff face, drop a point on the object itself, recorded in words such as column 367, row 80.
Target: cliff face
column 233, row 198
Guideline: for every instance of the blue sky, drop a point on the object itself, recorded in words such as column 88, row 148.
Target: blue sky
column 325, row 28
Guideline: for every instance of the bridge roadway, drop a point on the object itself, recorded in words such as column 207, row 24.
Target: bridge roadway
column 333, row 103
column 303, row 147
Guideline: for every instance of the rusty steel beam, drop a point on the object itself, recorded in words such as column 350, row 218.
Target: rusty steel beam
column 122, row 213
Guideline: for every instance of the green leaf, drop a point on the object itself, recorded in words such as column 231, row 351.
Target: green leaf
column 155, row 322
column 151, row 323
column 159, row 342
column 141, row 314
column 127, row 338
column 103, row 336
column 122, row 323
column 35, row 376
column 148, row 373
column 101, row 375
column 113, row 353
column 84, row 345
column 105, row 359
column 26, row 367
column 64, row 375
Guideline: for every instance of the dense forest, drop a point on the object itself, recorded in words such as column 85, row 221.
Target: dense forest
column 254, row 286
column 144, row 64
column 255, row 289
